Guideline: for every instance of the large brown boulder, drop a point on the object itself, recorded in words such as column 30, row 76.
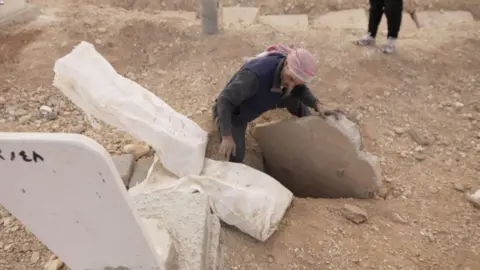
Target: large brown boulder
column 318, row 158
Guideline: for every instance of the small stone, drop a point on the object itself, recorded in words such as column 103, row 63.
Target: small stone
column 270, row 259
column 102, row 30
column 45, row 109
column 398, row 131
column 14, row 228
column 98, row 41
column 383, row 192
column 24, row 119
column 458, row 105
column 458, row 187
column 35, row 257
column 354, row 213
column 78, row 129
column 137, row 150
column 419, row 156
column 475, row 199
column 8, row 247
column 26, row 247
column 53, row 265
column 6, row 221
column 399, row 219
column 433, row 190
column 51, row 116
column 421, row 140
column 20, row 112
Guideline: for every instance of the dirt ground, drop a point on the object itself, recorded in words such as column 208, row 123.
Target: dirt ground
column 421, row 218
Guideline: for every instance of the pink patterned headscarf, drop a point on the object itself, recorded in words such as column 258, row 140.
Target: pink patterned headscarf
column 301, row 63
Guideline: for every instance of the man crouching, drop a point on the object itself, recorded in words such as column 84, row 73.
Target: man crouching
column 274, row 79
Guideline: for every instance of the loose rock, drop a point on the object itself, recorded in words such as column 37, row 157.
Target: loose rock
column 475, row 199
column 35, row 257
column 354, row 213
column 421, row 140
column 458, row 187
column 55, row 264
column 399, row 219
column 137, row 150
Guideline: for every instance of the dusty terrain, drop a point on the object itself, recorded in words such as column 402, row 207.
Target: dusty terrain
column 421, row 219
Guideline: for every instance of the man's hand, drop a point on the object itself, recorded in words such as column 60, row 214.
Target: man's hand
column 323, row 112
column 227, row 147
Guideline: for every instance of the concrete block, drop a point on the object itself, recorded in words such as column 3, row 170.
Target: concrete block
column 188, row 219
column 318, row 158
column 12, row 6
column 164, row 244
column 140, row 171
column 124, row 164
column 432, row 19
column 17, row 11
column 237, row 17
column 285, row 22
column 344, row 19
column 408, row 25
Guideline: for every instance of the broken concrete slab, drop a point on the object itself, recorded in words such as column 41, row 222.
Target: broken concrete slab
column 433, row 19
column 238, row 17
column 285, row 22
column 124, row 164
column 343, row 19
column 163, row 243
column 140, row 171
column 17, row 11
column 318, row 158
column 407, row 28
column 188, row 219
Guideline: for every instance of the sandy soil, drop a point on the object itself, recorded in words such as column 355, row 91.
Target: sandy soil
column 421, row 218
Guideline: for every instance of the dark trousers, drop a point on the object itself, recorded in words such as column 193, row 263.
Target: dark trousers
column 294, row 106
column 393, row 11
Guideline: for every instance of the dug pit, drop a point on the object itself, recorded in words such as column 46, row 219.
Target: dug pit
column 317, row 158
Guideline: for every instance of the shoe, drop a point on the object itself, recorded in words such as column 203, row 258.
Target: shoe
column 390, row 46
column 366, row 40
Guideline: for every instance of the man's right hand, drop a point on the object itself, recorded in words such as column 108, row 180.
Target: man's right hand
column 227, row 147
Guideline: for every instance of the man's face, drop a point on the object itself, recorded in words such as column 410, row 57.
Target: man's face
column 289, row 81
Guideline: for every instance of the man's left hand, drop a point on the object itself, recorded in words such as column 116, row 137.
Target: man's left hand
column 325, row 112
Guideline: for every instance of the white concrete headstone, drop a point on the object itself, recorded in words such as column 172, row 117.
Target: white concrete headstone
column 66, row 190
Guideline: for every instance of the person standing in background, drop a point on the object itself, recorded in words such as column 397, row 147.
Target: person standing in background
column 393, row 11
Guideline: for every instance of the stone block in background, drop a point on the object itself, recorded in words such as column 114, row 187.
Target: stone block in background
column 238, row 17
column 343, row 19
column 438, row 19
column 16, row 11
column 318, row 158
column 286, row 22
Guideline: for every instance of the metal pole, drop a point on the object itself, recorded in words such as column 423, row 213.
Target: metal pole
column 209, row 15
